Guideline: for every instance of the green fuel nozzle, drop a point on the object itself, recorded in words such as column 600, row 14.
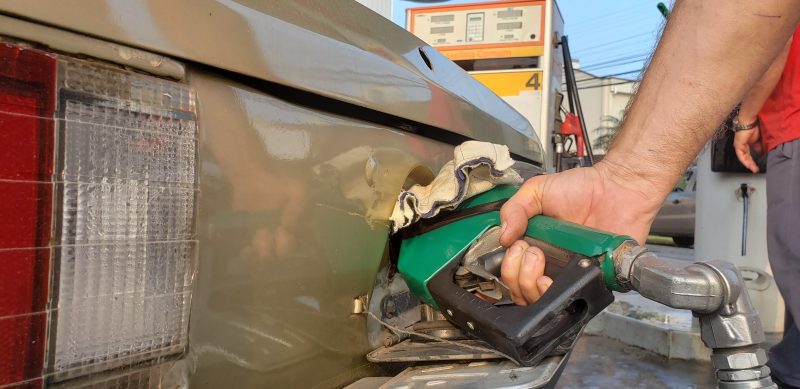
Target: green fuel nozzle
column 452, row 261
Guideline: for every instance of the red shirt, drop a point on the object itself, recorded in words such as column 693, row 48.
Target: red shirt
column 780, row 115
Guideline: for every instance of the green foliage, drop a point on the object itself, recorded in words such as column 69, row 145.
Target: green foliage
column 609, row 125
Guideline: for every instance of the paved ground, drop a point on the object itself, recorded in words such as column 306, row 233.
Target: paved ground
column 599, row 363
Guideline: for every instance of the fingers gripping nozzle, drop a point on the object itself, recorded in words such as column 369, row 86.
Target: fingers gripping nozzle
column 454, row 267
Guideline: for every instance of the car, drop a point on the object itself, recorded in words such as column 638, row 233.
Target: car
column 197, row 193
column 677, row 214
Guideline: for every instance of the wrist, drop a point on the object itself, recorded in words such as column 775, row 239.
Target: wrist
column 647, row 186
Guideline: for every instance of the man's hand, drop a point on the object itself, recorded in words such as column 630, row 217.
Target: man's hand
column 741, row 144
column 602, row 197
column 752, row 103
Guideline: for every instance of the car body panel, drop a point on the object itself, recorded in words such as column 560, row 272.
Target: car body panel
column 677, row 214
column 336, row 48
column 294, row 197
column 72, row 43
column 293, row 222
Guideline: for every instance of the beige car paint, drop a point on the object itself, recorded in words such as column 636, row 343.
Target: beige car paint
column 294, row 201
column 72, row 43
column 291, row 230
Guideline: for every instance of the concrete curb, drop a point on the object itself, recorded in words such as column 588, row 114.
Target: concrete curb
column 660, row 339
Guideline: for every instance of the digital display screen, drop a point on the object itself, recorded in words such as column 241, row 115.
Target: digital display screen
column 441, row 30
column 510, row 13
column 442, row 18
column 509, row 26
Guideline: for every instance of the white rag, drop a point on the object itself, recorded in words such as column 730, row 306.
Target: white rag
column 476, row 167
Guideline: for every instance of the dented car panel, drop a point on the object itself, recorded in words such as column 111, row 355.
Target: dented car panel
column 293, row 226
column 311, row 117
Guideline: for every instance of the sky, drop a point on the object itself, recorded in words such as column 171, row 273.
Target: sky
column 609, row 37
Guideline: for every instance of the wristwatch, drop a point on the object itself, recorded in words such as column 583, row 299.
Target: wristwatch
column 743, row 127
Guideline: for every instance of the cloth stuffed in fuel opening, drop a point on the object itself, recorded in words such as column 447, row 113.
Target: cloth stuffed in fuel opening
column 476, row 168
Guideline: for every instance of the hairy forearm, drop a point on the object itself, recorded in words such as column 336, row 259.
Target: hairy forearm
column 760, row 92
column 710, row 55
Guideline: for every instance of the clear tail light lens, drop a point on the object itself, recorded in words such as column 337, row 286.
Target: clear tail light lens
column 126, row 257
column 106, row 214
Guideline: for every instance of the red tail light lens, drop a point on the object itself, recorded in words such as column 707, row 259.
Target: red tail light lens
column 97, row 231
column 27, row 106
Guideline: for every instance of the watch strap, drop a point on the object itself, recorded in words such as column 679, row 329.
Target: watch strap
column 737, row 126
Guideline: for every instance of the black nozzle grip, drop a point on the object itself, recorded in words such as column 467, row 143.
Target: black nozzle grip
column 529, row 333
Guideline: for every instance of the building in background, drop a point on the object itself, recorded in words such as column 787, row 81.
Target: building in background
column 604, row 100
column 383, row 7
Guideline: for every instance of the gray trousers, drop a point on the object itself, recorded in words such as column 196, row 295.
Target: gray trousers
column 783, row 245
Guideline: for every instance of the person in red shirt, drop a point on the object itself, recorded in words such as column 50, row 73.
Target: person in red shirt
column 770, row 114
column 769, row 120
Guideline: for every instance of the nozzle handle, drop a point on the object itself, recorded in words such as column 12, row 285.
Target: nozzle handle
column 528, row 333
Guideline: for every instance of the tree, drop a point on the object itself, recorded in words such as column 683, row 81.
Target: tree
column 607, row 130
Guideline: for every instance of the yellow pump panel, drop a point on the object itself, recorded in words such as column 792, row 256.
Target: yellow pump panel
column 511, row 83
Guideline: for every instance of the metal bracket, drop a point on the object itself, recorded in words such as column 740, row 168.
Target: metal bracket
column 738, row 192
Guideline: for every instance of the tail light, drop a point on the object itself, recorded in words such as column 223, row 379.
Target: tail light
column 27, row 105
column 97, row 205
